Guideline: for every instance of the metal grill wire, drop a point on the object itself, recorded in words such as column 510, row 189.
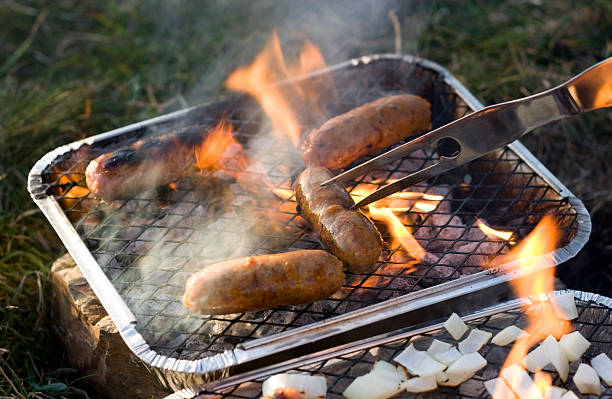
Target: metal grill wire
column 150, row 244
column 594, row 323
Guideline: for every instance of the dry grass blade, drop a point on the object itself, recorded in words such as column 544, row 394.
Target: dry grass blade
column 10, row 382
column 26, row 43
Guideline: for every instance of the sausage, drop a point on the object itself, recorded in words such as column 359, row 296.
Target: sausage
column 157, row 161
column 263, row 282
column 370, row 127
column 144, row 164
column 346, row 233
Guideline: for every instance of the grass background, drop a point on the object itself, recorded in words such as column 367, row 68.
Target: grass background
column 70, row 69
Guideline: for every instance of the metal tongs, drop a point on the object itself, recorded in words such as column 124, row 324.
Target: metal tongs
column 493, row 127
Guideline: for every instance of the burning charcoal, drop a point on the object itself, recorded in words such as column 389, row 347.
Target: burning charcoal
column 434, row 275
column 440, row 231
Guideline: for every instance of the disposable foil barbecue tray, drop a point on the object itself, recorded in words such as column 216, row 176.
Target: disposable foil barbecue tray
column 341, row 365
column 137, row 253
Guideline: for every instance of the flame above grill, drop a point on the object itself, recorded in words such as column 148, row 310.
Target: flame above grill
column 542, row 321
column 285, row 104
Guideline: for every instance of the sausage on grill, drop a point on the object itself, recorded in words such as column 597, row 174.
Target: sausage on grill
column 144, row 164
column 348, row 234
column 263, row 282
column 370, row 127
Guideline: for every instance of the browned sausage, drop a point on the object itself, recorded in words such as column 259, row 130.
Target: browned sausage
column 370, row 127
column 263, row 282
column 144, row 164
column 348, row 234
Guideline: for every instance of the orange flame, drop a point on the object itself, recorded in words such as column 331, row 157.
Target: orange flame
column 402, row 201
column 74, row 197
column 212, row 151
column 280, row 103
column 541, row 240
column 425, row 206
column 398, row 231
column 398, row 202
column 542, row 381
column 492, row 233
column 283, row 193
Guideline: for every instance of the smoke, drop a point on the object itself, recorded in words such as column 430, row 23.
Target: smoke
column 342, row 29
column 194, row 232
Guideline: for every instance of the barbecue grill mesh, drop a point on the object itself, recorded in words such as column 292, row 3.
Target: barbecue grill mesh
column 148, row 246
column 594, row 323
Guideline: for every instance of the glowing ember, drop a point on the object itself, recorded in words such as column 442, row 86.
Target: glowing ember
column 400, row 201
column 543, row 321
column 283, row 193
column 492, row 233
column 280, row 103
column 425, row 206
column 398, row 231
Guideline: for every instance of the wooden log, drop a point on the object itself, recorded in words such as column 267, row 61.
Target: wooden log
column 91, row 341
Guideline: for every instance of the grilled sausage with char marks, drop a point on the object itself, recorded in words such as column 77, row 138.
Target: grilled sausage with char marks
column 143, row 164
column 348, row 234
column 370, row 127
column 263, row 282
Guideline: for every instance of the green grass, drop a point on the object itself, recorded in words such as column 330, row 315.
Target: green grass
column 70, row 69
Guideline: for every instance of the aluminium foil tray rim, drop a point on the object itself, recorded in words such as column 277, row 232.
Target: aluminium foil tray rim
column 366, row 343
column 125, row 320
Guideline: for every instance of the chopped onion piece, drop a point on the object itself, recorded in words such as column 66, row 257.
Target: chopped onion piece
column 587, row 380
column 565, row 306
column 419, row 362
column 535, row 360
column 455, row 326
column 448, row 357
column 508, row 335
column 453, row 380
column 569, row 395
column 388, row 371
column 372, row 386
column 420, row 384
column 574, row 345
column 520, row 382
column 603, row 365
column 308, row 386
column 438, row 347
column 498, row 389
column 474, row 341
column 441, row 377
column 553, row 392
column 464, row 368
column 557, row 357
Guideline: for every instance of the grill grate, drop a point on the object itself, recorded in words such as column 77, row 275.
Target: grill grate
column 594, row 323
column 149, row 245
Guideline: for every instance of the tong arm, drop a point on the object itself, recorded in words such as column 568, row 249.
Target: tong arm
column 493, row 127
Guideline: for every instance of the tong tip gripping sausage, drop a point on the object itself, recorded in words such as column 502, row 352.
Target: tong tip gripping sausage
column 491, row 128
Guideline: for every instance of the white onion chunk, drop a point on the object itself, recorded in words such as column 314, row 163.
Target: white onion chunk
column 419, row 362
column 475, row 340
column 508, row 335
column 455, row 326
column 574, row 345
column 498, row 389
column 587, row 380
column 557, row 357
column 603, row 365
column 565, row 306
